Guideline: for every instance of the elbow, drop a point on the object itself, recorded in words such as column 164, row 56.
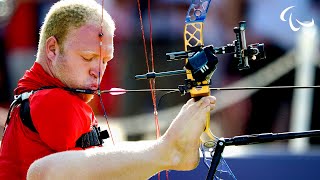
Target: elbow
column 35, row 171
column 40, row 170
column 46, row 168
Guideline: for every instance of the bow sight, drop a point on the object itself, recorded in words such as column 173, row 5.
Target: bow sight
column 241, row 51
column 202, row 60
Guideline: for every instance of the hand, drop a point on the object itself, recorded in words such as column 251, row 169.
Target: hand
column 183, row 135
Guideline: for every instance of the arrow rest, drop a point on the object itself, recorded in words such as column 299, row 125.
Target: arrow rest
column 189, row 84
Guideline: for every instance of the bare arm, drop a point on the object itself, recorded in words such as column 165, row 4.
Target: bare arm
column 177, row 149
column 3, row 116
column 135, row 161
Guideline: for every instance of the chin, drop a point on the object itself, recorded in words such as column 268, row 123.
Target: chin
column 86, row 97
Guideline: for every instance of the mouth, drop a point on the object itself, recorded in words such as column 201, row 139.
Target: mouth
column 93, row 86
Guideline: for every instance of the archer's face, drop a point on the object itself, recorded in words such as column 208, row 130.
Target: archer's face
column 80, row 63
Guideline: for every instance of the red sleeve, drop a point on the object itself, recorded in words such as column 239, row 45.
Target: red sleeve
column 59, row 117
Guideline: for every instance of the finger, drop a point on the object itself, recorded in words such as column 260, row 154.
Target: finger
column 212, row 99
column 192, row 103
column 188, row 103
column 205, row 102
column 208, row 103
column 212, row 107
column 204, row 108
column 199, row 102
column 213, row 103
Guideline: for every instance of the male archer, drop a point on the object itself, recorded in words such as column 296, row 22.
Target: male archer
column 51, row 126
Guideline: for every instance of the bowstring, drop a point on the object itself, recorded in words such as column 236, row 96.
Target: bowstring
column 99, row 74
column 152, row 82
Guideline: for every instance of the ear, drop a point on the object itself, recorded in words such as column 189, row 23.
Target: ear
column 52, row 48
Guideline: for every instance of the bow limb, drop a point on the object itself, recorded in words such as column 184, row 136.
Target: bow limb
column 193, row 37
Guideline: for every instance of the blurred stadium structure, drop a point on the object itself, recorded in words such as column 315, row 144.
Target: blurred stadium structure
column 293, row 58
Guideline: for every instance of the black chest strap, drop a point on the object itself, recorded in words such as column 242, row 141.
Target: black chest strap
column 23, row 101
column 93, row 138
column 25, row 115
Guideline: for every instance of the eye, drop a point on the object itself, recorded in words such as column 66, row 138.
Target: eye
column 86, row 59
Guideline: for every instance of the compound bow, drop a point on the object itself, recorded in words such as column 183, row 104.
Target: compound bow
column 201, row 62
column 200, row 65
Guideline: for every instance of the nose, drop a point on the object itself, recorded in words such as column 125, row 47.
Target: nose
column 95, row 71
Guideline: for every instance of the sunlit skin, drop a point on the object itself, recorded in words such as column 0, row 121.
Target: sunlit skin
column 78, row 66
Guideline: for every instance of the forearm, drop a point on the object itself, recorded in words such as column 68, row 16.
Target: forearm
column 138, row 160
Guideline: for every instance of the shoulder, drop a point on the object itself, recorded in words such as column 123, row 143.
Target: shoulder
column 54, row 95
column 60, row 117
column 56, row 102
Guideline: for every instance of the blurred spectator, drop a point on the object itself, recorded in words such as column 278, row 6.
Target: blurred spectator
column 20, row 42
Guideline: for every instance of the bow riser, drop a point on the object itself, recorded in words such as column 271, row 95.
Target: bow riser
column 193, row 37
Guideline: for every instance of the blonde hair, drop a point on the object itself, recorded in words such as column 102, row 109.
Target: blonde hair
column 67, row 15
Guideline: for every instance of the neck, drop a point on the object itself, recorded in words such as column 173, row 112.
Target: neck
column 45, row 63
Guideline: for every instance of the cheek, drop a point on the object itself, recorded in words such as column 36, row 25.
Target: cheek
column 73, row 75
column 78, row 75
column 74, row 72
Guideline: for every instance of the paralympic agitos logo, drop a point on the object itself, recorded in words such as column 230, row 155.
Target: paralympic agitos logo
column 292, row 26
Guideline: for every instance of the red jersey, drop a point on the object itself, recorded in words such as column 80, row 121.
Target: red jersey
column 59, row 116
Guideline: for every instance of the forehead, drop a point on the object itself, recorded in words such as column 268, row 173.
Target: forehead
column 87, row 36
